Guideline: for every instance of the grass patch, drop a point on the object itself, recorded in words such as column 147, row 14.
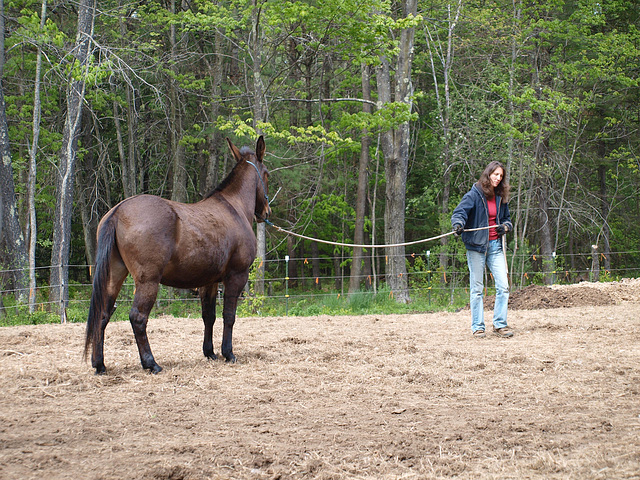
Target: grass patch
column 185, row 303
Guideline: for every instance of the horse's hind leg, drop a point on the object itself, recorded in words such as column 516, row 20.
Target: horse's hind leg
column 117, row 276
column 143, row 301
column 208, row 302
column 97, row 357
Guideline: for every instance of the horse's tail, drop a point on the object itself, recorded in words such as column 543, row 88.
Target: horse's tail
column 106, row 243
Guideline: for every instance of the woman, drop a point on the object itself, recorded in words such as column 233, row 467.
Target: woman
column 485, row 205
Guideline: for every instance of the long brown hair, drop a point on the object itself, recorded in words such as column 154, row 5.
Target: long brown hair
column 485, row 182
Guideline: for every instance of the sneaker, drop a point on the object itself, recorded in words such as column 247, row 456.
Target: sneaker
column 504, row 332
column 479, row 334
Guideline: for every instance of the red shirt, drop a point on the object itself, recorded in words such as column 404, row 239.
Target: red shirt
column 493, row 212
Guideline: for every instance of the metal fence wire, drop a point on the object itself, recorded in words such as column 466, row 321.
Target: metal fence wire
column 424, row 277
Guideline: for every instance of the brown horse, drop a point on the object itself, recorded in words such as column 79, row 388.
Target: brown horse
column 180, row 245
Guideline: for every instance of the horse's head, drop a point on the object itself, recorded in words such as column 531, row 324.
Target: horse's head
column 255, row 162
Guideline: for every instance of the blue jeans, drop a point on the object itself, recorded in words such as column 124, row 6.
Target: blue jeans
column 494, row 259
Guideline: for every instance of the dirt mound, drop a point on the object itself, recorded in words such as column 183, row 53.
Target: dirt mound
column 538, row 297
column 625, row 290
column 535, row 297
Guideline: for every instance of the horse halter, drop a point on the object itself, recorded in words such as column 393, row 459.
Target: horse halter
column 264, row 188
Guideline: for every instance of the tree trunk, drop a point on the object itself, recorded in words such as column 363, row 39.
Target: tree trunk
column 606, row 231
column 213, row 139
column 58, row 295
column 375, row 255
column 337, row 281
column 367, row 272
column 361, row 197
column 131, row 163
column 517, row 220
column 445, row 57
column 89, row 224
column 14, row 258
column 259, row 116
column 395, row 146
column 31, row 196
column 87, row 184
column 127, row 188
column 393, row 270
column 543, row 191
column 128, row 159
column 2, row 312
column 101, row 196
column 542, row 157
column 546, row 243
column 11, row 237
column 178, row 163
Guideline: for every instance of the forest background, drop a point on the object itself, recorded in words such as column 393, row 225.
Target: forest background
column 378, row 116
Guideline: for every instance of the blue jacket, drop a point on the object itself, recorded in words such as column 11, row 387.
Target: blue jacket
column 472, row 212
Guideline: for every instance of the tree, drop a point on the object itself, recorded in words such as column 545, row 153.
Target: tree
column 33, row 226
column 259, row 117
column 78, row 69
column 361, row 195
column 179, row 167
column 395, row 146
column 443, row 55
column 11, row 237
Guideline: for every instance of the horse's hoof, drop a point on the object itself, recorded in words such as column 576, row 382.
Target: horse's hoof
column 211, row 356
column 102, row 371
column 231, row 359
column 154, row 369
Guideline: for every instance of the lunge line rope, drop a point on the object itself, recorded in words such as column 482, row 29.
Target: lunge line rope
column 280, row 229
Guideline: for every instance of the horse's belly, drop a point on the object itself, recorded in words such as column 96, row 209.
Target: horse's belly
column 191, row 277
column 200, row 259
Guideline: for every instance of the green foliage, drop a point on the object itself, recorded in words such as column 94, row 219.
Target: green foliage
column 254, row 303
column 389, row 116
column 293, row 135
column 331, row 218
column 551, row 92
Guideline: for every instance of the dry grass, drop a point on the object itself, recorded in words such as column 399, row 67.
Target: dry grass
column 371, row 397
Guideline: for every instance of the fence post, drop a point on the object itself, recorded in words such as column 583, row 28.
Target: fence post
column 63, row 309
column 286, row 284
column 429, row 275
column 595, row 264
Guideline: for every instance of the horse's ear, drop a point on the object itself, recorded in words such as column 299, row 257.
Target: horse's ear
column 234, row 150
column 260, row 148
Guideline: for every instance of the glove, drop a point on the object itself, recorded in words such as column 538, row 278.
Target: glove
column 458, row 229
column 502, row 229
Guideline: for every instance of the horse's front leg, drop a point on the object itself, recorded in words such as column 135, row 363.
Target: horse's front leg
column 232, row 291
column 208, row 302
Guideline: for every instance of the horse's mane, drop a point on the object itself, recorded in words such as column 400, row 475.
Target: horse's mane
column 229, row 179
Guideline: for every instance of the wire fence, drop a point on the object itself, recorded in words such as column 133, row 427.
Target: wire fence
column 425, row 278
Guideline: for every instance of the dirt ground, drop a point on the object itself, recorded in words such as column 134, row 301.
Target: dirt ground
column 369, row 397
